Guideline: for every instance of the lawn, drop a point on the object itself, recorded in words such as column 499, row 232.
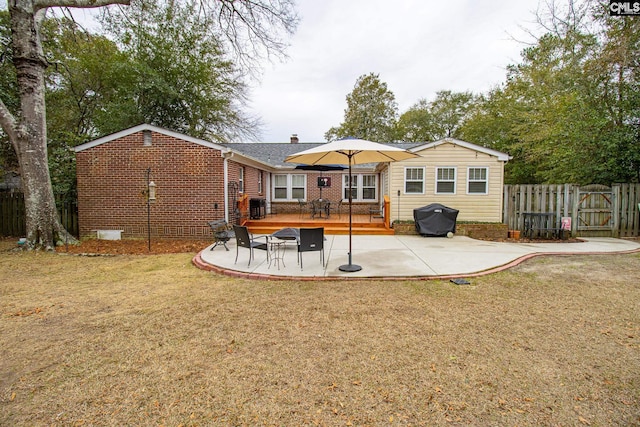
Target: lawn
column 151, row 340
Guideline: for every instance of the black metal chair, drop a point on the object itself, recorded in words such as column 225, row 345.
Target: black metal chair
column 221, row 233
column 377, row 212
column 303, row 205
column 337, row 207
column 245, row 239
column 311, row 240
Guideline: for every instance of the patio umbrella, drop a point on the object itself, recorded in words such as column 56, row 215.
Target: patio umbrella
column 350, row 152
column 320, row 168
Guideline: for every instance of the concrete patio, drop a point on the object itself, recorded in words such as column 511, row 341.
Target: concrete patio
column 397, row 257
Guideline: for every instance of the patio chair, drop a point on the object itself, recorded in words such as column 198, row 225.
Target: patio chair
column 311, row 240
column 336, row 207
column 245, row 239
column 221, row 233
column 303, row 206
column 377, row 212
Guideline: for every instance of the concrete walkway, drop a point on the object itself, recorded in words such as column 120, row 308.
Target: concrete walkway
column 399, row 257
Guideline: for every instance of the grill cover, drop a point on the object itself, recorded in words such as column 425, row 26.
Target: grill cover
column 435, row 220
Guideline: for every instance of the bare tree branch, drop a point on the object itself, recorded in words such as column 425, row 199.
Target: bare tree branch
column 82, row 4
column 252, row 27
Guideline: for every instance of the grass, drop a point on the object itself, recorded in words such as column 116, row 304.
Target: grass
column 151, row 340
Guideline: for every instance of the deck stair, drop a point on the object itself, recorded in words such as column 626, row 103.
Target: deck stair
column 360, row 224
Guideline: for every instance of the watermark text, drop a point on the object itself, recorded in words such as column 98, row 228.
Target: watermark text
column 624, row 8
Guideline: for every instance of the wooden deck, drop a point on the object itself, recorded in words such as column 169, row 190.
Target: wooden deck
column 332, row 225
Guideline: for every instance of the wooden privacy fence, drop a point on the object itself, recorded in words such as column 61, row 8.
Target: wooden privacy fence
column 593, row 210
column 12, row 214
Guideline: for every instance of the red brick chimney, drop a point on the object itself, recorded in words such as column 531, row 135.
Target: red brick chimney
column 294, row 138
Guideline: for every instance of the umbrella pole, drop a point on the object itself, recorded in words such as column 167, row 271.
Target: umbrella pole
column 350, row 268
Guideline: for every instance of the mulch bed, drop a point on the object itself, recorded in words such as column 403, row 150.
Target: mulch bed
column 135, row 247
column 141, row 247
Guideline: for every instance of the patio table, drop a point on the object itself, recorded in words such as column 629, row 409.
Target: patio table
column 287, row 234
column 320, row 206
column 284, row 236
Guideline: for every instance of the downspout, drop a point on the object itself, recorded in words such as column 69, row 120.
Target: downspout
column 226, row 156
column 267, row 191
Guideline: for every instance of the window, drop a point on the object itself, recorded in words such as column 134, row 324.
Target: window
column 260, row 183
column 298, row 186
column 414, row 180
column 280, row 187
column 289, row 187
column 354, row 187
column 369, row 187
column 363, row 187
column 445, row 181
column 241, row 180
column 477, row 181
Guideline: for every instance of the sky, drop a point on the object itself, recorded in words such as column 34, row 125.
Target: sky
column 418, row 47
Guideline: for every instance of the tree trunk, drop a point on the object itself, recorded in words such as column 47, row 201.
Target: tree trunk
column 29, row 136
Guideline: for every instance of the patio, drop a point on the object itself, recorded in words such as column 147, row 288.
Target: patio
column 399, row 257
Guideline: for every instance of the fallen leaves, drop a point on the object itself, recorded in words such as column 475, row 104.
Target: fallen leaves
column 26, row 313
column 134, row 247
column 36, row 311
column 584, row 421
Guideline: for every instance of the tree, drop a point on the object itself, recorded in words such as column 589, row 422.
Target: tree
column 619, row 84
column 257, row 22
column 569, row 111
column 8, row 91
column 494, row 122
column 416, row 124
column 371, row 112
column 182, row 79
column 85, row 74
column 441, row 118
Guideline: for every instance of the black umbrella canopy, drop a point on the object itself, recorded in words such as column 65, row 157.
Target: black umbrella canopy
column 321, row 168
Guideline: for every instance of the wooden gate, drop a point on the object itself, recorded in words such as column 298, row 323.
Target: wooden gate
column 595, row 211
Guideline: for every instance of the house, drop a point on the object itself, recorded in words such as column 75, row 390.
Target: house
column 193, row 181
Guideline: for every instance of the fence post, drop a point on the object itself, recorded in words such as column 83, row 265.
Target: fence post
column 615, row 210
column 506, row 205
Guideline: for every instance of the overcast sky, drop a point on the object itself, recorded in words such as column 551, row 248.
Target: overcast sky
column 418, row 47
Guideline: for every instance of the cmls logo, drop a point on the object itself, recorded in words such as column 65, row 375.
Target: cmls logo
column 624, row 8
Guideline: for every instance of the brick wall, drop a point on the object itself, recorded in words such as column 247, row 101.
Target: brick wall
column 251, row 178
column 112, row 180
column 493, row 231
